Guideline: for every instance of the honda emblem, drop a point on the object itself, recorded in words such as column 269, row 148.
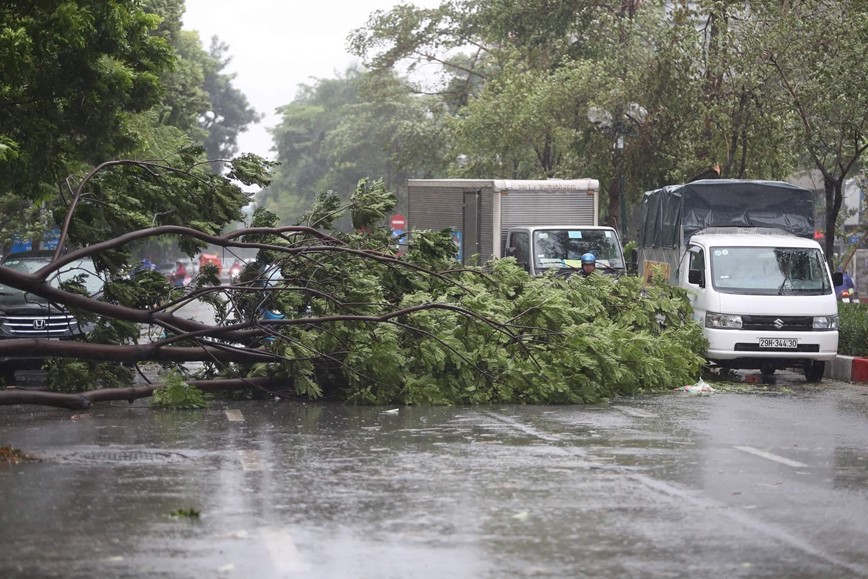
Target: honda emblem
column 39, row 324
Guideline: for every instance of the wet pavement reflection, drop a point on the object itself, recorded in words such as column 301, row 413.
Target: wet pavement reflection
column 735, row 484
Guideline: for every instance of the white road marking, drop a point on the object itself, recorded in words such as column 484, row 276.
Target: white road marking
column 250, row 459
column 234, row 416
column 770, row 456
column 635, row 412
column 690, row 496
column 284, row 554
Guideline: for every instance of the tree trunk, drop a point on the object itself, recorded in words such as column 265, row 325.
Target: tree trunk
column 84, row 400
column 834, row 197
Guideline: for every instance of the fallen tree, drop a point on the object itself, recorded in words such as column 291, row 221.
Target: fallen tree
column 328, row 314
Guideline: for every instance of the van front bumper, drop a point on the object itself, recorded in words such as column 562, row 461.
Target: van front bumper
column 735, row 344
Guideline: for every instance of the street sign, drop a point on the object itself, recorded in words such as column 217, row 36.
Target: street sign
column 398, row 221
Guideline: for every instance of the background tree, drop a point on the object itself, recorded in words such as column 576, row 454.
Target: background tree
column 299, row 142
column 230, row 112
column 71, row 73
column 695, row 69
column 200, row 98
column 83, row 82
column 338, row 131
column 820, row 81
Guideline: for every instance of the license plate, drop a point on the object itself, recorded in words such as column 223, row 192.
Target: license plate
column 789, row 343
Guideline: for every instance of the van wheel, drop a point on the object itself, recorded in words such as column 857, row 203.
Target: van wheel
column 814, row 371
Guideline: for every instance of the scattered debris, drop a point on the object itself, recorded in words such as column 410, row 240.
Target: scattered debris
column 190, row 513
column 392, row 411
column 701, row 387
column 14, row 456
column 522, row 516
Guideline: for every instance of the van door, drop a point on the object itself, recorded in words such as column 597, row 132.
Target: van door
column 518, row 246
column 695, row 278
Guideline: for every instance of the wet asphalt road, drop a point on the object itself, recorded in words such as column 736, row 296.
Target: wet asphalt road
column 734, row 484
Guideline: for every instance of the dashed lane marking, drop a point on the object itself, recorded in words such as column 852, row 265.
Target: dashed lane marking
column 689, row 496
column 251, row 459
column 234, row 416
column 282, row 550
column 770, row 456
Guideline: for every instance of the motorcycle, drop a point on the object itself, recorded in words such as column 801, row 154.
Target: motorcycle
column 848, row 296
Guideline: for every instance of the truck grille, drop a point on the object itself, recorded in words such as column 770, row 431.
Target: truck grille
column 755, row 348
column 39, row 326
column 778, row 323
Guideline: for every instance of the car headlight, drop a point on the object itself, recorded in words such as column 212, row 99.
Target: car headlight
column 722, row 321
column 825, row 322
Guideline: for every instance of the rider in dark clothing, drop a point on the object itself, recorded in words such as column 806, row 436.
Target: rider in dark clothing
column 589, row 264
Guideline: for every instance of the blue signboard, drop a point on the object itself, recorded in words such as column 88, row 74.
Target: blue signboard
column 49, row 241
column 19, row 244
column 456, row 239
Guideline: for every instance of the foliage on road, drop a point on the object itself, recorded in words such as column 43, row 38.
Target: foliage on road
column 341, row 316
column 178, row 394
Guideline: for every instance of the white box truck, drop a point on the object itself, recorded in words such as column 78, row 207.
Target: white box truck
column 757, row 280
column 544, row 224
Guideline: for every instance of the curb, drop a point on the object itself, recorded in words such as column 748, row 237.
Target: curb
column 848, row 369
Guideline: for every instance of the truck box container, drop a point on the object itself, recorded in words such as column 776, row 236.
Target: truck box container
column 481, row 211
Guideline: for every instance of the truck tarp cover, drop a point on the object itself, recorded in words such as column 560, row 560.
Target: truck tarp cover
column 668, row 211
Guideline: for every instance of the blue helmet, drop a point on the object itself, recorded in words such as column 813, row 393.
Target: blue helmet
column 589, row 258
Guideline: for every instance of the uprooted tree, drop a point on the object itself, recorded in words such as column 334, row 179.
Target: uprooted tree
column 324, row 314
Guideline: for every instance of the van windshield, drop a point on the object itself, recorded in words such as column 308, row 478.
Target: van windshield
column 561, row 247
column 769, row 271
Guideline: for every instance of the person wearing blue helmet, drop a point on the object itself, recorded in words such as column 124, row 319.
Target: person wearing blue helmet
column 589, row 264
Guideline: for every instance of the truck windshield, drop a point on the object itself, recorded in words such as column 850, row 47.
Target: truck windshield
column 769, row 271
column 558, row 248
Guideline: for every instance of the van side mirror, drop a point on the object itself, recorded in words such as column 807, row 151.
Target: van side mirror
column 511, row 251
column 837, row 278
column 696, row 277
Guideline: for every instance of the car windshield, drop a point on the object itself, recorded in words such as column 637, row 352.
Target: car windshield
column 769, row 270
column 564, row 247
column 30, row 264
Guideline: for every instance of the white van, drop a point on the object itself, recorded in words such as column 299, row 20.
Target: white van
column 765, row 298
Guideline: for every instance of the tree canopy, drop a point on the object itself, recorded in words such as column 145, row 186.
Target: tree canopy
column 740, row 88
column 338, row 131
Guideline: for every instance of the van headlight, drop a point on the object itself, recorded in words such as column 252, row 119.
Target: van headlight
column 825, row 322
column 722, row 321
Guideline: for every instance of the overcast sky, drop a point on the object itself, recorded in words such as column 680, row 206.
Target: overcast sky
column 275, row 45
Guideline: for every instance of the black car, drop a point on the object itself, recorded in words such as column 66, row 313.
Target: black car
column 24, row 315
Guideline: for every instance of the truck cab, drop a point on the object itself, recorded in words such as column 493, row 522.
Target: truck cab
column 539, row 249
column 764, row 297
